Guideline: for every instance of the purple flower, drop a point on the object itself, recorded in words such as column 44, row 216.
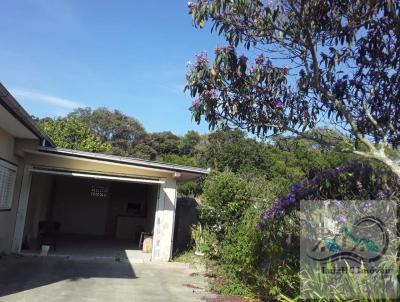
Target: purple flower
column 278, row 203
column 279, row 104
column 196, row 103
column 260, row 59
column 202, row 58
column 380, row 195
column 291, row 198
column 207, row 95
column 387, row 191
column 218, row 50
column 341, row 219
column 316, row 179
column 267, row 216
column 296, row 187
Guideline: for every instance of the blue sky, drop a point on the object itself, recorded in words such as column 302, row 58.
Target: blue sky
column 128, row 55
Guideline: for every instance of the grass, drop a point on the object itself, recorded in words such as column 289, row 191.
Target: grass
column 187, row 256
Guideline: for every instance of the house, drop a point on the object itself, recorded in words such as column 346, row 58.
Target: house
column 80, row 202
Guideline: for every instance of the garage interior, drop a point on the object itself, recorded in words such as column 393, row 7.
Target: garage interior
column 90, row 217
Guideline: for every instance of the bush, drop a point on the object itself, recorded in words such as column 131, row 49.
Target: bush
column 247, row 258
column 262, row 260
column 264, row 263
column 224, row 200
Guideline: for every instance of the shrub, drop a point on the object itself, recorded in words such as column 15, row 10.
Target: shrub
column 247, row 258
column 263, row 263
column 224, row 200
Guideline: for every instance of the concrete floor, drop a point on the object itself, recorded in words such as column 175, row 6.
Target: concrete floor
column 55, row 279
column 79, row 247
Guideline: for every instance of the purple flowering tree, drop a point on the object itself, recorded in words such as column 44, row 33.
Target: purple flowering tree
column 312, row 62
column 355, row 181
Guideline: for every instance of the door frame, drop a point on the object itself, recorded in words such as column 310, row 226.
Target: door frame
column 26, row 189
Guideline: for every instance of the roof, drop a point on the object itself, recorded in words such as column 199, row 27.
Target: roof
column 19, row 113
column 125, row 160
column 16, row 110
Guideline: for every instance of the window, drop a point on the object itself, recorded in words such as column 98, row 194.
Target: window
column 8, row 174
column 98, row 191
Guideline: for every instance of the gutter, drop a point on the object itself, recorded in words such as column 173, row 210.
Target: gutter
column 16, row 110
column 124, row 160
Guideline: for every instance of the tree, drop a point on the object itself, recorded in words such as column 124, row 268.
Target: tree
column 124, row 133
column 189, row 142
column 232, row 150
column 144, row 151
column 339, row 63
column 70, row 133
column 165, row 142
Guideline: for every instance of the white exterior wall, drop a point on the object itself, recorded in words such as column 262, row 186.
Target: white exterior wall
column 40, row 193
column 164, row 222
column 7, row 142
column 7, row 217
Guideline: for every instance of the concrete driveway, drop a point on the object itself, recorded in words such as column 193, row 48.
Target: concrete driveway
column 53, row 279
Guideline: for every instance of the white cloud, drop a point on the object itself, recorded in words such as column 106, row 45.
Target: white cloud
column 48, row 99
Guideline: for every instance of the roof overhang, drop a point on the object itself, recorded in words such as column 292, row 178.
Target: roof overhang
column 17, row 122
column 98, row 176
column 181, row 173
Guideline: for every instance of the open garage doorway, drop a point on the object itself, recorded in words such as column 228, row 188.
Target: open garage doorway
column 80, row 216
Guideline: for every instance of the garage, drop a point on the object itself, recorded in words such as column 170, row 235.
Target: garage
column 82, row 205
column 82, row 215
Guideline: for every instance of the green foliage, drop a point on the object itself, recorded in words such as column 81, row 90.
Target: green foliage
column 172, row 158
column 165, row 142
column 191, row 188
column 189, row 142
column 233, row 151
column 144, row 151
column 70, row 133
column 253, row 263
column 187, row 256
column 286, row 161
column 126, row 134
column 263, row 262
column 225, row 199
column 360, row 288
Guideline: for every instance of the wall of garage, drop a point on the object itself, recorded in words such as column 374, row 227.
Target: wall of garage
column 76, row 209
column 7, row 142
column 125, row 223
column 38, row 207
column 111, row 216
column 7, row 217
